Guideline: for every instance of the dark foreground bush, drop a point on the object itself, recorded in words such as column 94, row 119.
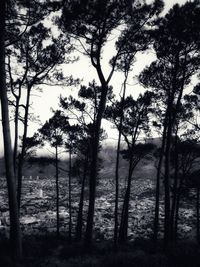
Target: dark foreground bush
column 50, row 252
column 185, row 254
column 135, row 259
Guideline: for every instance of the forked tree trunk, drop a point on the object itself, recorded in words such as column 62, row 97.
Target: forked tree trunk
column 15, row 233
column 81, row 202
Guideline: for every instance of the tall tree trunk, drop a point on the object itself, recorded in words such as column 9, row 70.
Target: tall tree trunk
column 117, row 163
column 124, row 216
column 157, row 205
column 93, row 173
column 117, row 187
column 123, row 230
column 57, row 196
column 70, row 195
column 16, row 136
column 177, row 208
column 167, row 185
column 171, row 120
column 15, row 233
column 175, row 186
column 197, row 208
column 81, row 202
column 23, row 150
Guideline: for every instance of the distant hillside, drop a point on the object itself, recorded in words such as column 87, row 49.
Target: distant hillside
column 155, row 141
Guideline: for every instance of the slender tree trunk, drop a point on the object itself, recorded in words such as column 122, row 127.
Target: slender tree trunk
column 174, row 199
column 15, row 233
column 81, row 202
column 123, row 230
column 157, row 205
column 177, row 209
column 117, row 188
column 117, row 163
column 70, row 195
column 93, row 174
column 23, row 150
column 124, row 217
column 16, row 136
column 167, row 186
column 197, row 207
column 57, row 196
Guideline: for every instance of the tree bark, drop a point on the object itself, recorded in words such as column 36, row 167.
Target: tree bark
column 15, row 233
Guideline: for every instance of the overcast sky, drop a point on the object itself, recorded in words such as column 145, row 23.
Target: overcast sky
column 42, row 102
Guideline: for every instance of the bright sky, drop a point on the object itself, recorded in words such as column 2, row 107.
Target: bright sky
column 44, row 101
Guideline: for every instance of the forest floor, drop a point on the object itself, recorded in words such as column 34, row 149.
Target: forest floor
column 38, row 221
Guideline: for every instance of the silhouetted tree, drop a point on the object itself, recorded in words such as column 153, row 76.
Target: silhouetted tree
column 188, row 152
column 185, row 113
column 135, row 121
column 16, row 17
column 15, row 233
column 36, row 64
column 177, row 49
column 52, row 132
column 84, row 111
column 72, row 133
column 125, row 61
column 92, row 22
